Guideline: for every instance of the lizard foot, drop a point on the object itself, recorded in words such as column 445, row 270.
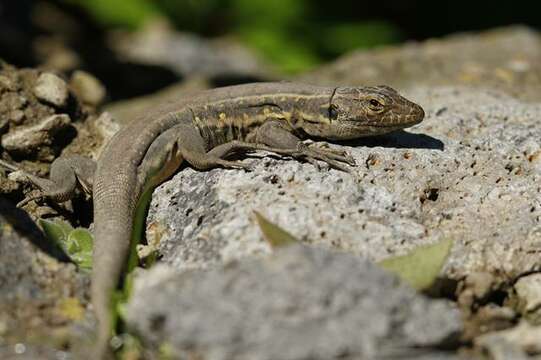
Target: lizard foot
column 336, row 154
column 336, row 159
column 29, row 198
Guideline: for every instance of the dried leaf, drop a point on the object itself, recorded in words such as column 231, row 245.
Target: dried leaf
column 421, row 267
column 275, row 235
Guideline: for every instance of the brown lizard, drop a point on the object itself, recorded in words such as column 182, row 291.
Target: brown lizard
column 204, row 130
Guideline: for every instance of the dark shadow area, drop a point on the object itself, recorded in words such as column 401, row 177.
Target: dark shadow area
column 423, row 19
column 16, row 32
column 83, row 210
column 126, row 80
column 24, row 226
column 400, row 140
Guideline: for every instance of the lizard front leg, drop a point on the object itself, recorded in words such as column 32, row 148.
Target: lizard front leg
column 273, row 137
column 65, row 175
column 179, row 143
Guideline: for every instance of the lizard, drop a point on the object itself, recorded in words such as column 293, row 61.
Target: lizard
column 204, row 130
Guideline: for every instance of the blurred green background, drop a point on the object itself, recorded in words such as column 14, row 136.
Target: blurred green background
column 299, row 34
column 293, row 34
column 290, row 36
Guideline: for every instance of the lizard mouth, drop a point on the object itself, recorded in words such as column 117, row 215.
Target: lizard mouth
column 384, row 126
column 401, row 124
column 354, row 130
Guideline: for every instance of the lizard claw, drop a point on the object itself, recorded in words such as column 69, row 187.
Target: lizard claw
column 27, row 199
column 323, row 149
column 337, row 159
column 314, row 162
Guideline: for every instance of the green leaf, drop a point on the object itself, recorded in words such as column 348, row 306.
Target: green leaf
column 80, row 242
column 82, row 239
column 275, row 235
column 57, row 231
column 421, row 267
column 121, row 297
column 76, row 243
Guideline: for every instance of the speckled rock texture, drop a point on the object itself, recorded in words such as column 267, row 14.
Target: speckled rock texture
column 470, row 172
column 300, row 303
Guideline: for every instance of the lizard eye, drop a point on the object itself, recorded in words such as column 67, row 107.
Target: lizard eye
column 375, row 105
column 333, row 112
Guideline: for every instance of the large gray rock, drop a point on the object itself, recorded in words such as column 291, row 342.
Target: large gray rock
column 300, row 303
column 469, row 172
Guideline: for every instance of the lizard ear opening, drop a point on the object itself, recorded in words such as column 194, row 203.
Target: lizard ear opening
column 333, row 112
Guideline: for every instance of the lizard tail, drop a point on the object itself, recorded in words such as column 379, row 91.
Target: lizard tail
column 113, row 220
column 106, row 274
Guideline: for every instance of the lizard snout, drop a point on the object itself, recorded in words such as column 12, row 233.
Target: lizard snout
column 416, row 115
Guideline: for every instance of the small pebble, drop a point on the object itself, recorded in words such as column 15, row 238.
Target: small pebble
column 52, row 89
column 87, row 88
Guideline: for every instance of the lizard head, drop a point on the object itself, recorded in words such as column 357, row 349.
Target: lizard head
column 362, row 111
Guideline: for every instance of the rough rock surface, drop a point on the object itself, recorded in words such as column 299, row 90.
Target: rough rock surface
column 470, row 172
column 513, row 343
column 28, row 139
column 40, row 297
column 528, row 297
column 34, row 131
column 300, row 303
